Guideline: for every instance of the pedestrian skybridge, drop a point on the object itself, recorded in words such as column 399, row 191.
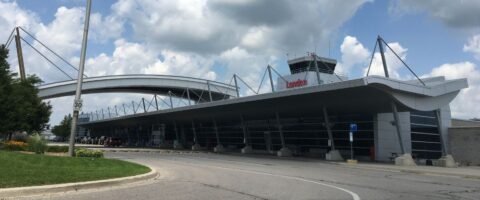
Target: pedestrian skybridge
column 199, row 90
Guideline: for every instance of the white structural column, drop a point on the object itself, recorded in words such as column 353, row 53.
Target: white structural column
column 333, row 154
column 284, row 151
column 247, row 148
column 219, row 148
column 406, row 158
column 447, row 159
column 195, row 146
column 177, row 144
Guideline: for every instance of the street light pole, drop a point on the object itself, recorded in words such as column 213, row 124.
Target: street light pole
column 77, row 103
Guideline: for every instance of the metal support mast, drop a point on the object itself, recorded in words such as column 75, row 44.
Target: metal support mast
column 382, row 53
column 317, row 71
column 21, row 66
column 77, row 104
column 270, row 76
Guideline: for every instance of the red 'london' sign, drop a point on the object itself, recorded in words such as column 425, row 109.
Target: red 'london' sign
column 297, row 83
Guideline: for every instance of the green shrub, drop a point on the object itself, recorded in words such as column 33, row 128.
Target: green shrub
column 88, row 153
column 57, row 149
column 36, row 144
column 13, row 145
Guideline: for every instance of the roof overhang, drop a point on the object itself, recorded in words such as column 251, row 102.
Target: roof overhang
column 367, row 95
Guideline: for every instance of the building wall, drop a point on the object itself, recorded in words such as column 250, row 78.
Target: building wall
column 386, row 139
column 464, row 143
column 462, row 122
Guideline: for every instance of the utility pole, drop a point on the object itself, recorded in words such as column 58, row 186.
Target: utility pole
column 77, row 104
column 21, row 66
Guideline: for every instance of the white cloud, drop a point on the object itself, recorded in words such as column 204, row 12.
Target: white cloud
column 12, row 15
column 188, row 37
column 466, row 103
column 460, row 13
column 353, row 54
column 473, row 46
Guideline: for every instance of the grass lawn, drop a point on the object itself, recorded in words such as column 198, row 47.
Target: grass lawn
column 18, row 169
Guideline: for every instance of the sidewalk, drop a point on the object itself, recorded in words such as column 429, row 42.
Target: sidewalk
column 472, row 172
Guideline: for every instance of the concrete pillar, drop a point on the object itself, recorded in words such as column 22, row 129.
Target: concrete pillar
column 176, row 144
column 247, row 148
column 447, row 159
column 219, row 148
column 333, row 154
column 406, row 158
column 284, row 151
column 195, row 146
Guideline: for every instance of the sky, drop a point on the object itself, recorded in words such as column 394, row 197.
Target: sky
column 214, row 39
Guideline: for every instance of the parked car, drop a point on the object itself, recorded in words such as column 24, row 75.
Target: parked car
column 113, row 142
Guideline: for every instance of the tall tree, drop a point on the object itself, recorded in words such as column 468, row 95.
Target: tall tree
column 20, row 107
column 6, row 77
column 63, row 129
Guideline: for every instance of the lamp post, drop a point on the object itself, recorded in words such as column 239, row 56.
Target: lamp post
column 77, row 103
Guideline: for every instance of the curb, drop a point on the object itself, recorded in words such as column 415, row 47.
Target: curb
column 414, row 171
column 65, row 187
column 153, row 151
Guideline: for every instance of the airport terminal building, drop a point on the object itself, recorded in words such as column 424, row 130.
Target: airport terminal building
column 309, row 112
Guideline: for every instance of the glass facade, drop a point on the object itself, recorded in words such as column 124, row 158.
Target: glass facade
column 425, row 135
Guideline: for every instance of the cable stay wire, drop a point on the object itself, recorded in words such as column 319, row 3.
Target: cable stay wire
column 240, row 78
column 372, row 57
column 278, row 74
column 225, row 93
column 261, row 81
column 46, row 58
column 49, row 49
column 9, row 39
column 403, row 62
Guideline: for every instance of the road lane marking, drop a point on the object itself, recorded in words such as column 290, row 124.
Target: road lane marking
column 353, row 194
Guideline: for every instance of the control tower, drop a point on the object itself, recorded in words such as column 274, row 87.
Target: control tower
column 309, row 70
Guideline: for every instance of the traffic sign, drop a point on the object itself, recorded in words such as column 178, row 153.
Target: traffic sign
column 353, row 127
column 351, row 136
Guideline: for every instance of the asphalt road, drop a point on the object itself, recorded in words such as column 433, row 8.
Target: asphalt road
column 213, row 176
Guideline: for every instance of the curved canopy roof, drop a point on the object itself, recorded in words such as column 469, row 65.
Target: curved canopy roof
column 370, row 95
column 151, row 84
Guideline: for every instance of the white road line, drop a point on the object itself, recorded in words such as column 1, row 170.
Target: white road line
column 353, row 194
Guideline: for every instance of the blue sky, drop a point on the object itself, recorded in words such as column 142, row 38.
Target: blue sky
column 215, row 38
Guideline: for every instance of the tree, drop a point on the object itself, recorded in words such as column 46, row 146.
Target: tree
column 6, row 78
column 63, row 129
column 20, row 107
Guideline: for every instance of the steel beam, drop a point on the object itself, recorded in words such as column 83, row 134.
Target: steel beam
column 170, row 96
column 215, row 128
column 156, row 101
column 382, row 53
column 21, row 66
column 398, row 126
column 194, row 133
column 327, row 125
column 317, row 71
column 280, row 129
column 144, row 108
column 270, row 76
column 209, row 91
column 236, row 85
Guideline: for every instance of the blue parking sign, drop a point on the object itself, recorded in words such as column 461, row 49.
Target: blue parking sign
column 353, row 127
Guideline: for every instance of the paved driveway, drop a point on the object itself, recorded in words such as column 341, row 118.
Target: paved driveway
column 213, row 176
